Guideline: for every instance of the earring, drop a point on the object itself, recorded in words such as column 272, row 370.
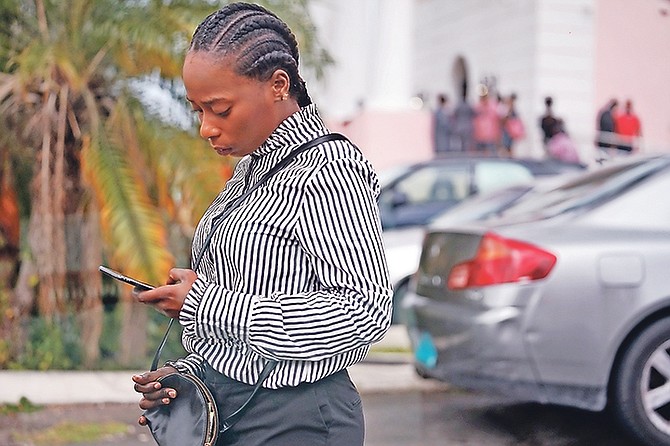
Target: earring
column 285, row 97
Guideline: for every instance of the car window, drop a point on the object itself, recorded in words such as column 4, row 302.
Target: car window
column 493, row 175
column 386, row 176
column 585, row 191
column 435, row 183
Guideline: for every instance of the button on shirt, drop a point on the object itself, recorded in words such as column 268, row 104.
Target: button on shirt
column 297, row 272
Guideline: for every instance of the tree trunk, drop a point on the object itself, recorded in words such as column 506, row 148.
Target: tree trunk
column 86, row 241
column 63, row 233
column 22, row 305
column 134, row 323
column 46, row 231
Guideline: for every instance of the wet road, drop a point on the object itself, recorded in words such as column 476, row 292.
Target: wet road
column 459, row 418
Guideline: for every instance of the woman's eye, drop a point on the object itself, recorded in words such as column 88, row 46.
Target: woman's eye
column 224, row 113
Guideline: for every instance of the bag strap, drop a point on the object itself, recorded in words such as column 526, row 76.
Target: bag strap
column 228, row 209
column 234, row 417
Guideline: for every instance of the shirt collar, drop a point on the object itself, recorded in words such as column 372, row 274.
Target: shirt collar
column 302, row 126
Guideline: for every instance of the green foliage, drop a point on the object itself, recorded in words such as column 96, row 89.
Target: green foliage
column 4, row 344
column 24, row 406
column 71, row 432
column 66, row 71
column 110, row 340
column 173, row 348
column 51, row 346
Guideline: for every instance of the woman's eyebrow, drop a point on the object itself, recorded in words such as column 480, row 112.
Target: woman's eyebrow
column 208, row 101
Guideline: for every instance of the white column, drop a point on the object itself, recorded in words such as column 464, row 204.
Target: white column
column 390, row 80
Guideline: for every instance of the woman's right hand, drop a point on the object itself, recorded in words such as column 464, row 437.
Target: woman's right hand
column 169, row 298
column 153, row 394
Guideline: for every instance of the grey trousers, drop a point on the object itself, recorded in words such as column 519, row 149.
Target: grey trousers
column 326, row 413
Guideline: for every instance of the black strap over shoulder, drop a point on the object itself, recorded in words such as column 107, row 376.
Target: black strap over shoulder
column 276, row 168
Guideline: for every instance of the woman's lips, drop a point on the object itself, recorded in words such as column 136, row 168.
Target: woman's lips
column 223, row 150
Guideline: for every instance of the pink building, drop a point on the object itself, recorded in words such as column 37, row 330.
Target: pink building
column 632, row 61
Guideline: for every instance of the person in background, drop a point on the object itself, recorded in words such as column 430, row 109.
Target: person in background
column 560, row 146
column 487, row 124
column 512, row 126
column 548, row 120
column 297, row 273
column 628, row 128
column 442, row 125
column 462, row 126
column 606, row 125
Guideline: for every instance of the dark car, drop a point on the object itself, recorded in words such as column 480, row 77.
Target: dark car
column 563, row 298
column 423, row 190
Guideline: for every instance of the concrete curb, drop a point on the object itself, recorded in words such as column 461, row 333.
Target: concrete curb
column 74, row 387
column 388, row 368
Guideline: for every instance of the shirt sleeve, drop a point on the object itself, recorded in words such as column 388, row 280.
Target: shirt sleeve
column 338, row 227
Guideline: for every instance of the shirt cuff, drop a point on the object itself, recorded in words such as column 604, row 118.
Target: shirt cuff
column 210, row 311
column 187, row 315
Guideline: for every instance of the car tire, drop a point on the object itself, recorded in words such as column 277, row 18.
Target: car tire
column 640, row 389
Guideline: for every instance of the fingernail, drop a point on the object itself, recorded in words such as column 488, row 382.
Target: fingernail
column 166, row 400
column 172, row 393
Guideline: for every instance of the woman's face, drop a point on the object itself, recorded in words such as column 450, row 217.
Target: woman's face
column 237, row 113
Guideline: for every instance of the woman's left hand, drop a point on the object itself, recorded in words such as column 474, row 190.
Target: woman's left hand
column 169, row 298
column 153, row 393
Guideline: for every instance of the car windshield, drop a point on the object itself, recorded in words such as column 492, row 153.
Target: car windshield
column 585, row 191
column 389, row 174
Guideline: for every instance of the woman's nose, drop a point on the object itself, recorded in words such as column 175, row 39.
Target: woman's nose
column 208, row 129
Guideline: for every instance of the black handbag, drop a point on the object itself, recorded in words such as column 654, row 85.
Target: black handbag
column 192, row 418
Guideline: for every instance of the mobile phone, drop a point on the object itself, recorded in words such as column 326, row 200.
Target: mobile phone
column 123, row 278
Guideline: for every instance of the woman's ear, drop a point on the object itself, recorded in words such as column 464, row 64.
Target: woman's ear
column 281, row 84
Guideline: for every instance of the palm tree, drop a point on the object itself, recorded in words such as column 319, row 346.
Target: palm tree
column 111, row 180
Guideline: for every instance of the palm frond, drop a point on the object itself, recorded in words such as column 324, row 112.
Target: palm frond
column 130, row 223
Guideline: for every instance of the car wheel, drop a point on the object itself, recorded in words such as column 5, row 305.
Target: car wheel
column 641, row 386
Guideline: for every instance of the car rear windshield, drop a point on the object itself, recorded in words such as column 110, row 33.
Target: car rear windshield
column 586, row 191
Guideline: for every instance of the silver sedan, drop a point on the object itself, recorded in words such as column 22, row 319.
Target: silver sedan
column 564, row 299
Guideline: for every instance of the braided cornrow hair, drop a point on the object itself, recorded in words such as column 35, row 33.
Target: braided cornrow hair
column 259, row 41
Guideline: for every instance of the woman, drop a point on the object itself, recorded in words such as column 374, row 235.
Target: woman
column 513, row 128
column 297, row 272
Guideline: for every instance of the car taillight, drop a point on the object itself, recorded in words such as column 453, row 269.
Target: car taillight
column 501, row 260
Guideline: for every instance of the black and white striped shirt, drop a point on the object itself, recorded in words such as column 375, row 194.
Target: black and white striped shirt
column 297, row 272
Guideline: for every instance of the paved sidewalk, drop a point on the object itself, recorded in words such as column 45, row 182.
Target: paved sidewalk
column 387, row 369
